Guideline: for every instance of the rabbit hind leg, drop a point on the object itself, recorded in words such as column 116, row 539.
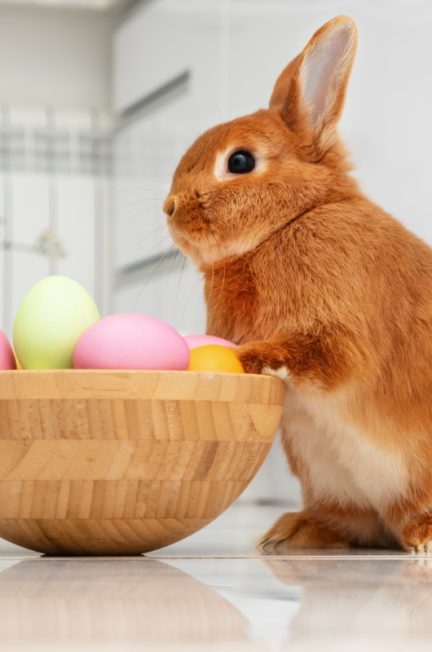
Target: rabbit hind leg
column 322, row 527
column 300, row 530
column 416, row 535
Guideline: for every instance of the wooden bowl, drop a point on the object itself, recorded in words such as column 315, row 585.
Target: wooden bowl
column 107, row 462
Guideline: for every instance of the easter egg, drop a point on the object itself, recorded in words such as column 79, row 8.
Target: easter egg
column 213, row 357
column 49, row 322
column 131, row 341
column 193, row 341
column 7, row 358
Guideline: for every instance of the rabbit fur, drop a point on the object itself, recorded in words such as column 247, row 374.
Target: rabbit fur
column 321, row 287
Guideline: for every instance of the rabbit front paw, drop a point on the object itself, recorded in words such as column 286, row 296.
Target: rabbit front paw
column 263, row 358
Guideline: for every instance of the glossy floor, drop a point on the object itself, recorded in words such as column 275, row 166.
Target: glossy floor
column 212, row 592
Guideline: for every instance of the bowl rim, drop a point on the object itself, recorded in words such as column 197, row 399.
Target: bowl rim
column 27, row 384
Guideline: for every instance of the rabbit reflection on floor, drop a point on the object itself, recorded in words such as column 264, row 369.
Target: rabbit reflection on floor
column 320, row 286
column 363, row 600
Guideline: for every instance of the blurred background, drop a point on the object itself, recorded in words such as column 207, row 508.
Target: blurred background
column 99, row 98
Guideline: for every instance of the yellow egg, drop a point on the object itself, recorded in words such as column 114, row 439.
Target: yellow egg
column 213, row 357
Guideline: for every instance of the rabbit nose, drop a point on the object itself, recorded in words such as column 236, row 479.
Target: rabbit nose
column 169, row 206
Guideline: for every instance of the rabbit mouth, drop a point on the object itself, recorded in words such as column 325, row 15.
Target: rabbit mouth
column 195, row 234
column 183, row 240
column 201, row 247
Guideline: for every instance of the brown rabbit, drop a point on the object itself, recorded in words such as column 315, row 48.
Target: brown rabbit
column 321, row 287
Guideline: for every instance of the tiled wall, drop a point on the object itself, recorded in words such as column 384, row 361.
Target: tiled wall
column 54, row 169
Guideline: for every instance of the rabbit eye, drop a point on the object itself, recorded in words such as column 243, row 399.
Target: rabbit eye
column 241, row 162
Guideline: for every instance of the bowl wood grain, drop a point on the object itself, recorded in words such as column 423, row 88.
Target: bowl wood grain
column 107, row 462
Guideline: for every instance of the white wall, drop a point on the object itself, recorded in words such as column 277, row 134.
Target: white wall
column 58, row 58
column 55, row 78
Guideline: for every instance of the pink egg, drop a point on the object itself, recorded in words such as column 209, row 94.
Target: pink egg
column 131, row 341
column 194, row 341
column 7, row 358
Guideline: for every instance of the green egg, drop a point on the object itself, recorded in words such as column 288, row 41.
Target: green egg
column 51, row 318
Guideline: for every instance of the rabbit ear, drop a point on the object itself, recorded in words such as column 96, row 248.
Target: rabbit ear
column 310, row 92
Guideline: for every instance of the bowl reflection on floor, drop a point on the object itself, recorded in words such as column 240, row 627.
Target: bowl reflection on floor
column 60, row 602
